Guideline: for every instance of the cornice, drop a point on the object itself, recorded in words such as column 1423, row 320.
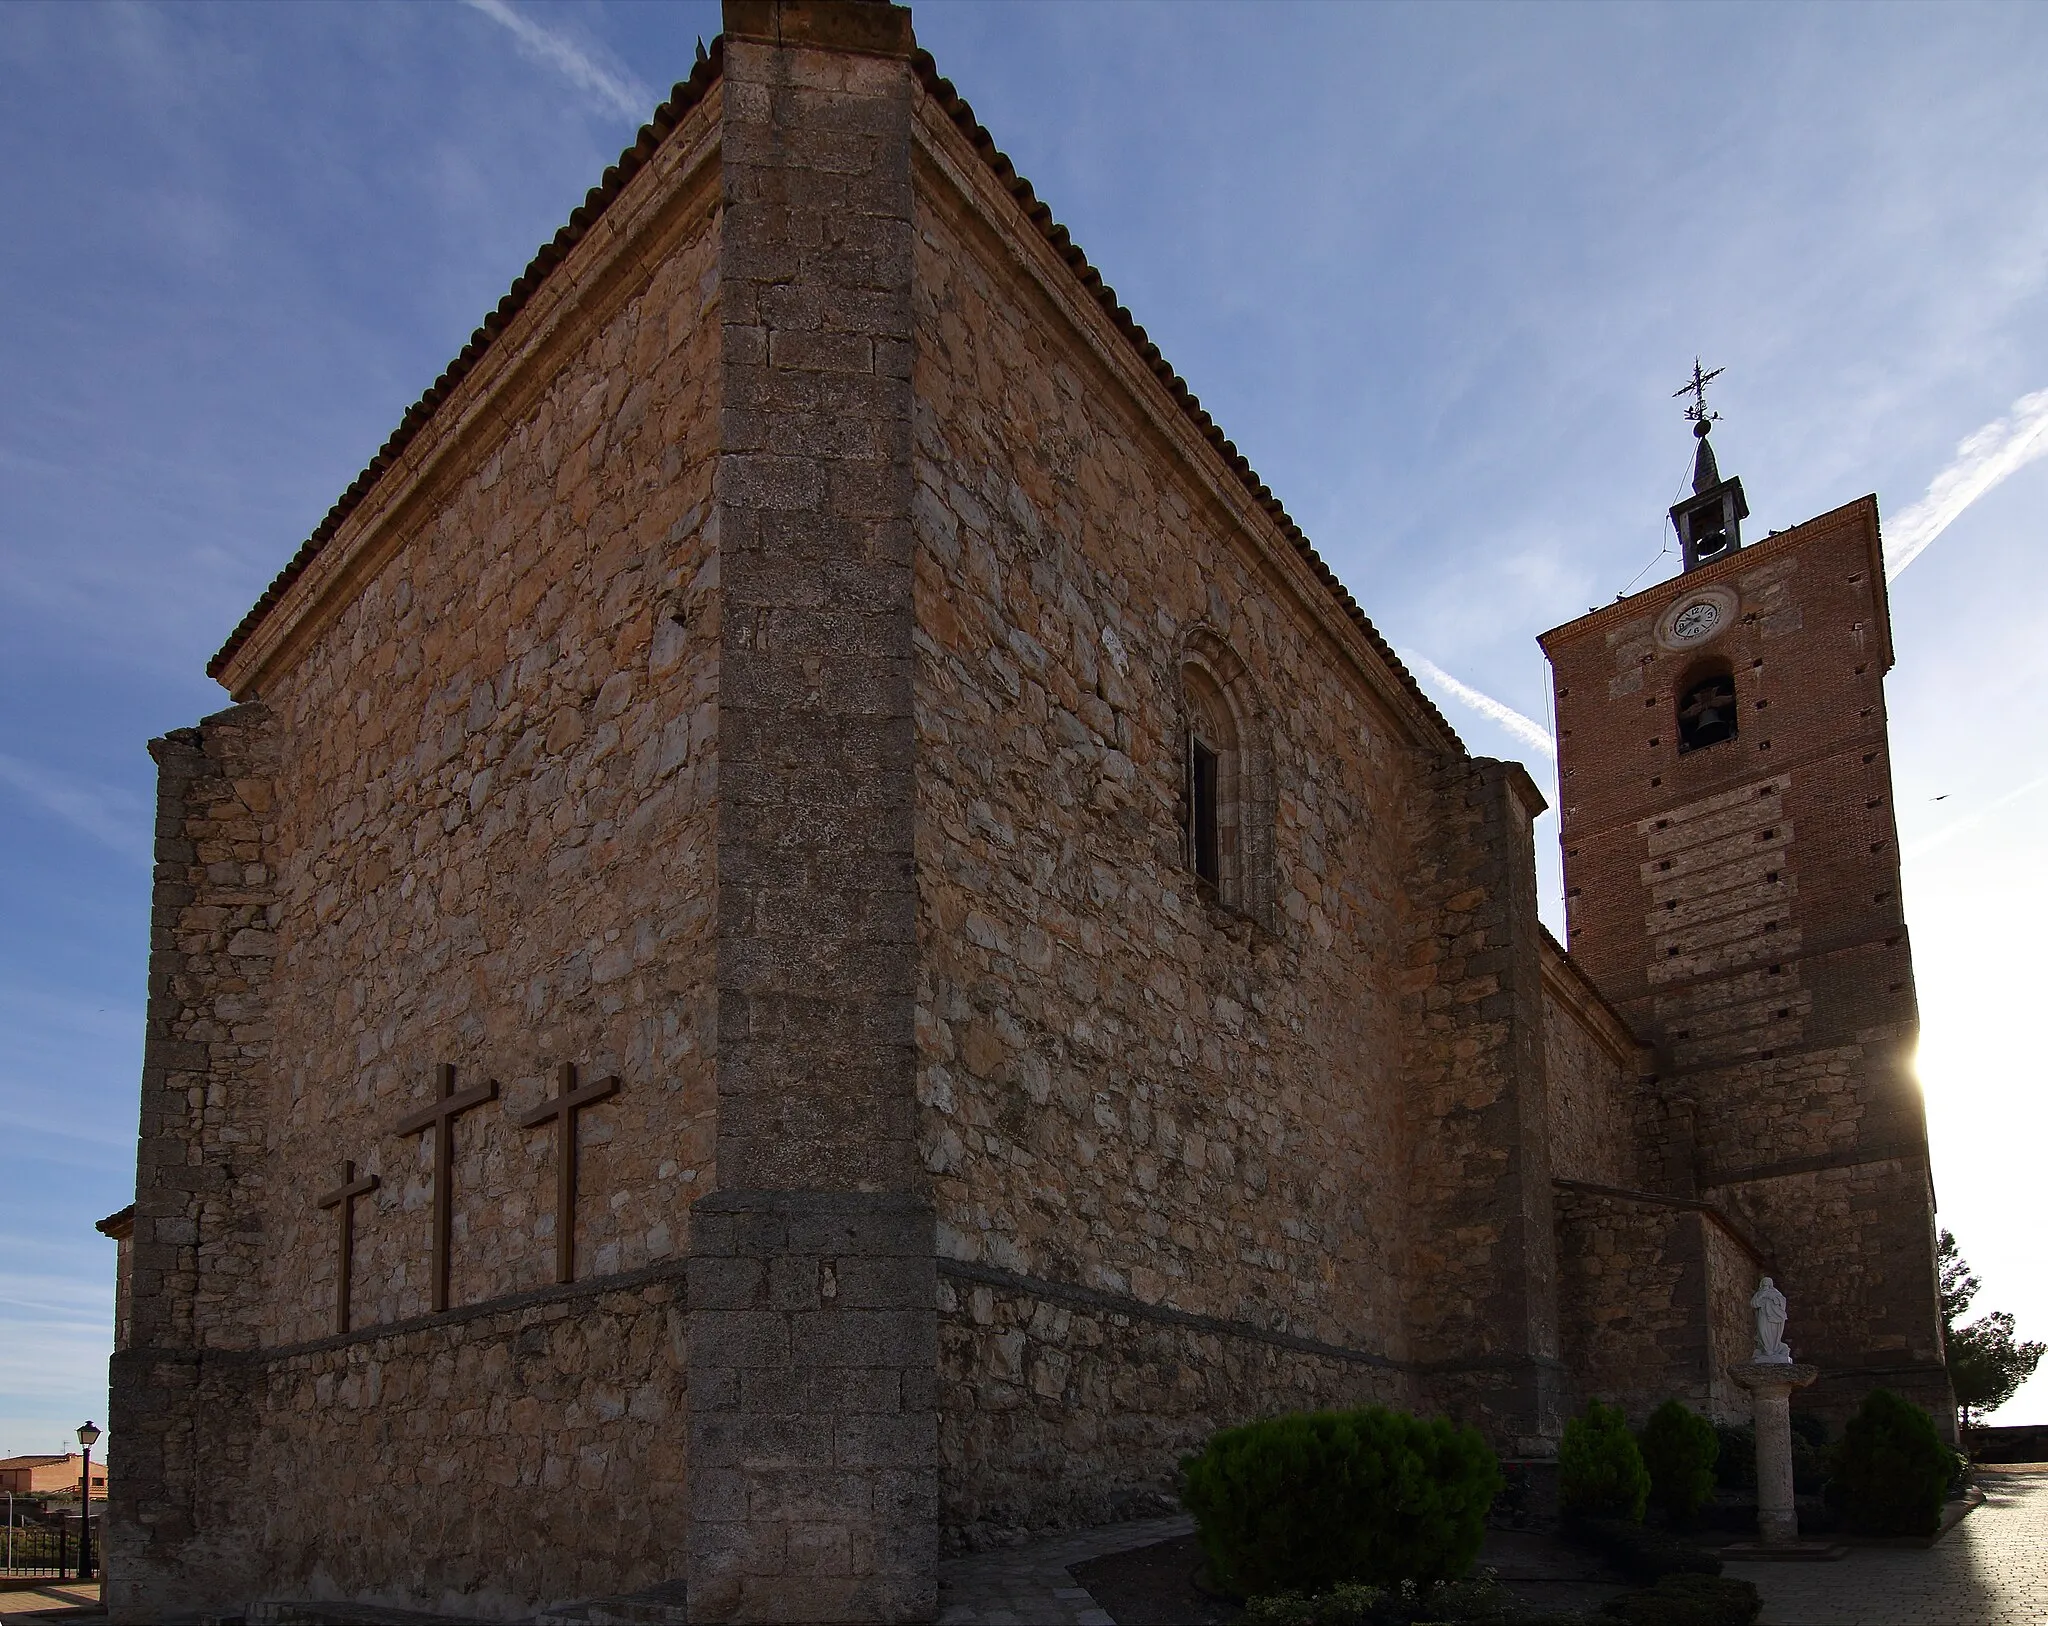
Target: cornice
column 1745, row 558
column 1565, row 980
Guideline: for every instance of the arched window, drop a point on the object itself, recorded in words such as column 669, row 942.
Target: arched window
column 1213, row 774
column 1227, row 830
column 1706, row 710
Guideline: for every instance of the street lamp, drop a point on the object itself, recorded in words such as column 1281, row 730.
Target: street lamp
column 88, row 1437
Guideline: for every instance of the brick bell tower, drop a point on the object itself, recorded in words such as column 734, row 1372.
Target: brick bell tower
column 1731, row 877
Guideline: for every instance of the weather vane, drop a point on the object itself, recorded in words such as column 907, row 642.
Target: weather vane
column 1696, row 387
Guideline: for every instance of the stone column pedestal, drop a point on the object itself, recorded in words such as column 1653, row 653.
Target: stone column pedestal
column 1770, row 1385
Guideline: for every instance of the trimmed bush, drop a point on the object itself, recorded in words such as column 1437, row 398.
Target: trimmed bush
column 1892, row 1471
column 1688, row 1600
column 1600, row 1472
column 1735, row 1468
column 1480, row 1601
column 1642, row 1555
column 1340, row 1606
column 1313, row 1500
column 1679, row 1451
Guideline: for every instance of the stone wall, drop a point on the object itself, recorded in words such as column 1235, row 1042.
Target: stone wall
column 482, row 836
column 1595, row 1073
column 1632, row 1296
column 1062, row 1405
column 494, row 846
column 812, row 1321
column 1130, row 1085
column 1854, row 1247
column 527, row 1452
column 1654, row 1299
column 1126, row 1084
column 1732, row 1277
column 196, row 1261
column 1481, row 1272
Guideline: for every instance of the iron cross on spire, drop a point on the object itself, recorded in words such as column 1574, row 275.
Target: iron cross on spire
column 1696, row 387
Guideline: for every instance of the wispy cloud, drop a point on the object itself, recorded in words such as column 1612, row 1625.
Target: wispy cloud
column 1526, row 729
column 110, row 816
column 1955, row 827
column 620, row 92
column 2002, row 447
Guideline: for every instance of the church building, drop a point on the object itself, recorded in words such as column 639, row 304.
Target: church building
column 817, row 937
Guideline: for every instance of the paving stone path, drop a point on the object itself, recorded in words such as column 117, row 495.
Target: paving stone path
column 1991, row 1570
column 28, row 1599
column 1030, row 1586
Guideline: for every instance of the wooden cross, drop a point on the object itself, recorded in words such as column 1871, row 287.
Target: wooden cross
column 343, row 1197
column 563, row 1108
column 440, row 1117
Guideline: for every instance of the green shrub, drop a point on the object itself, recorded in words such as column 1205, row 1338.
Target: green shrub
column 1309, row 1501
column 1892, row 1471
column 1642, row 1555
column 1689, row 1600
column 1340, row 1606
column 1679, row 1451
column 1735, row 1468
column 1600, row 1472
column 1479, row 1601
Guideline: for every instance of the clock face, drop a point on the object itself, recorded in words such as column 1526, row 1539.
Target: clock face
column 1695, row 621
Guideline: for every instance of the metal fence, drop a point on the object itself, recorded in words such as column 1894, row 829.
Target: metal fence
column 43, row 1546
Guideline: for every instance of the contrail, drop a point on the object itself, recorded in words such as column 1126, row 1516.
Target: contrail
column 2002, row 447
column 1526, row 729
column 545, row 46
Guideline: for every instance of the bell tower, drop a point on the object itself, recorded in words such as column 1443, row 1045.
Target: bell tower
column 1732, row 887
column 1709, row 522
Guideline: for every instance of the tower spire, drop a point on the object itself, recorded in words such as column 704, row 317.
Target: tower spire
column 1710, row 521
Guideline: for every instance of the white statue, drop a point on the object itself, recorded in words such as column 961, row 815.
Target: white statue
column 1769, row 1304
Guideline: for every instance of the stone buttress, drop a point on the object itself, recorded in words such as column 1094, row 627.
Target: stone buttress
column 812, row 1282
column 181, row 1428
column 1481, row 1268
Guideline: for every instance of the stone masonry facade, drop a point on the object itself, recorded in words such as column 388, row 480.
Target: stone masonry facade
column 757, row 686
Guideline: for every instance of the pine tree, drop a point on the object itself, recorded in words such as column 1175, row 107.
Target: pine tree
column 1986, row 1361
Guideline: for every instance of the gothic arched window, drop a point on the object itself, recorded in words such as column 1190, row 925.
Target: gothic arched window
column 1227, row 831
column 1706, row 711
column 1212, row 787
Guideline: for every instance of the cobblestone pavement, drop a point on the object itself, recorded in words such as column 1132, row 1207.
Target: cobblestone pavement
column 1991, row 1570
column 22, row 1599
column 1030, row 1586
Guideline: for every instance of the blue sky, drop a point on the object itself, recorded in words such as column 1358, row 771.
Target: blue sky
column 1437, row 269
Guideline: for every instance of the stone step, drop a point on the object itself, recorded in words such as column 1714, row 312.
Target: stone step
column 660, row 1605
column 314, row 1612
